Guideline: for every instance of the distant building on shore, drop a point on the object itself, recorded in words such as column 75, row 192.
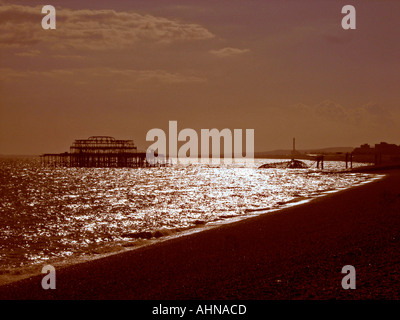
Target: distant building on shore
column 381, row 148
column 382, row 153
column 364, row 149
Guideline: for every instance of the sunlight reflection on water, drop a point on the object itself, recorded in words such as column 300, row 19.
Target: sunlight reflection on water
column 48, row 213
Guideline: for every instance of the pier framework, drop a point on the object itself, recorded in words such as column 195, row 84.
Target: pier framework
column 100, row 152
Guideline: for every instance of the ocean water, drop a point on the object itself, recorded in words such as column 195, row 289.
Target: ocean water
column 56, row 214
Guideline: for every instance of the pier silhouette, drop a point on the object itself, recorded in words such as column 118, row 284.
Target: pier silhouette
column 101, row 152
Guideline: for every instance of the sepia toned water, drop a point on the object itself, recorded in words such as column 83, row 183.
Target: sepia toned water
column 49, row 214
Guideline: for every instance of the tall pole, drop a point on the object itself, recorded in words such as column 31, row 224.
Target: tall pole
column 294, row 148
column 294, row 144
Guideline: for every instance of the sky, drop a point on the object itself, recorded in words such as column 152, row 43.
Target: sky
column 285, row 68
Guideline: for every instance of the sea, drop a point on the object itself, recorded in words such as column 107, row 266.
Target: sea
column 61, row 216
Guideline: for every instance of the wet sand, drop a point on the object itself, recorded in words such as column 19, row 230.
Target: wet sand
column 295, row 253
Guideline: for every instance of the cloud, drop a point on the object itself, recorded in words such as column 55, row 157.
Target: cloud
column 30, row 53
column 229, row 52
column 91, row 29
column 121, row 78
column 331, row 123
column 330, row 112
column 68, row 57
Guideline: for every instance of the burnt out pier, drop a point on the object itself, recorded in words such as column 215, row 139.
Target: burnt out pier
column 102, row 152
